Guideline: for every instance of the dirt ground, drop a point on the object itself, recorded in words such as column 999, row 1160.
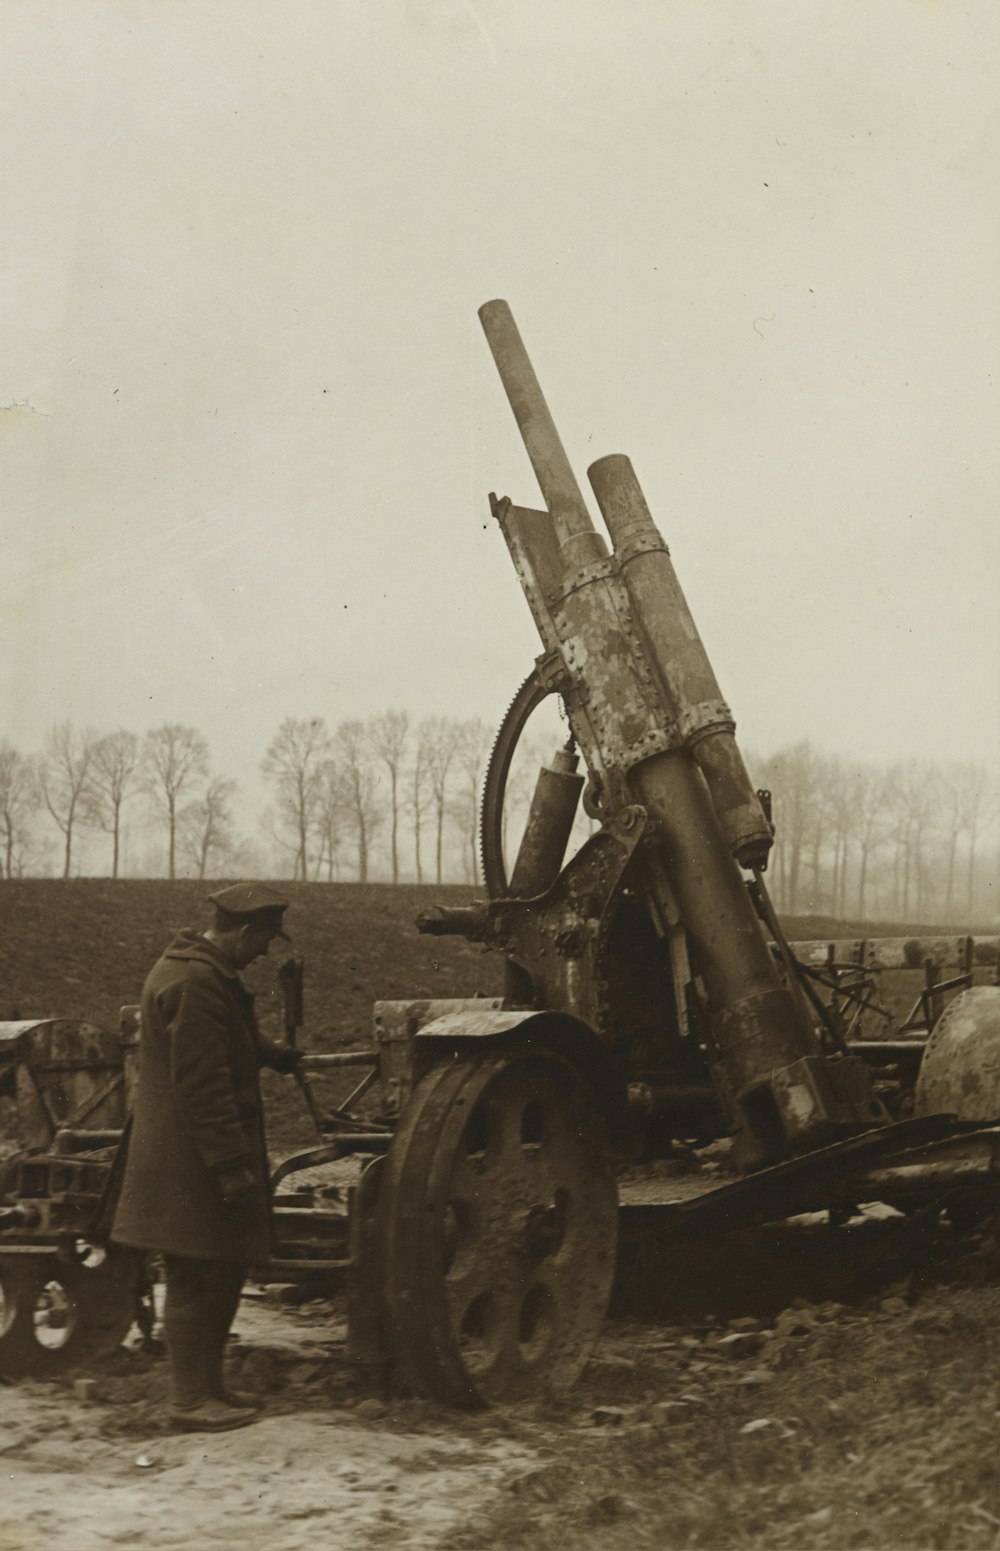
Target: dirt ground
column 801, row 1388
column 868, row 1420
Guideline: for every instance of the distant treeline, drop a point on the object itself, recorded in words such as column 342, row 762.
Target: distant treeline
column 917, row 838
column 391, row 799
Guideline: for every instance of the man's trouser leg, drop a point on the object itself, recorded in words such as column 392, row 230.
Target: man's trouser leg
column 227, row 1285
column 201, row 1301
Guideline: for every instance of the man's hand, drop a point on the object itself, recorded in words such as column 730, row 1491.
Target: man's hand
column 238, row 1184
column 286, row 1059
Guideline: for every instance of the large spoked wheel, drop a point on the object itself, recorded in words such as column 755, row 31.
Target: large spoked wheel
column 499, row 1221
column 55, row 1313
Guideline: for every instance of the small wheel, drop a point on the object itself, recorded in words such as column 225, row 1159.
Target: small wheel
column 55, row 1313
column 498, row 1218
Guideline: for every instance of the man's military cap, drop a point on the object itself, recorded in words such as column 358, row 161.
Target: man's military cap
column 253, row 899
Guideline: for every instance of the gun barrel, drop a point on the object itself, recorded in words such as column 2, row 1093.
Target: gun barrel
column 691, row 689
column 645, row 708
column 542, row 443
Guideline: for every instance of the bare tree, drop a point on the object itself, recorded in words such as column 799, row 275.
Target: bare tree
column 173, row 758
column 287, row 850
column 913, row 800
column 951, row 824
column 838, row 798
column 815, row 822
column 19, row 799
column 293, row 765
column 472, row 747
column 418, row 791
column 791, row 775
column 205, row 825
column 871, row 814
column 358, row 787
column 388, row 734
column 328, row 822
column 116, row 758
column 66, row 781
column 437, row 737
column 974, row 785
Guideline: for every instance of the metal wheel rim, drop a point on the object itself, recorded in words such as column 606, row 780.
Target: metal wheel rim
column 501, row 1228
column 95, row 1302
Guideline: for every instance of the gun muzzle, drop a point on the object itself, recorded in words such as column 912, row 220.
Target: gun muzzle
column 578, row 538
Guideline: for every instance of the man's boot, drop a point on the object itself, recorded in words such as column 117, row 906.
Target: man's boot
column 190, row 1345
column 212, row 1416
column 226, row 1291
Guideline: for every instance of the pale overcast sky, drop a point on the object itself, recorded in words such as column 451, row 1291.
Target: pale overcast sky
column 252, row 420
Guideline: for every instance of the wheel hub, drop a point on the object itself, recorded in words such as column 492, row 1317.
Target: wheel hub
column 545, row 1227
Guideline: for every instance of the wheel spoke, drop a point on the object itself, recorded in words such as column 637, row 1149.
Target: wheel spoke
column 509, row 1356
column 493, row 1244
column 503, row 1135
column 502, row 1330
column 529, row 1142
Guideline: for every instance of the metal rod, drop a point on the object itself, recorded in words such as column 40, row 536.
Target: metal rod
column 360, row 1091
column 361, row 1141
column 318, row 1063
column 542, row 442
column 67, row 1142
column 305, row 1089
column 261, row 1273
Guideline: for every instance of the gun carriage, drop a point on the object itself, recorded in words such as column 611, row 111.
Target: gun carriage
column 650, row 997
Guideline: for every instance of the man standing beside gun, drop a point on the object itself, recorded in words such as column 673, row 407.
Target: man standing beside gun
column 195, row 1185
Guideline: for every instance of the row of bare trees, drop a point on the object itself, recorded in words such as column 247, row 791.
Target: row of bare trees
column 336, row 791
column 397, row 798
column 914, row 840
column 83, row 780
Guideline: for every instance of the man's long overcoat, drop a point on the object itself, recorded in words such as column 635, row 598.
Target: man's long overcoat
column 197, row 1111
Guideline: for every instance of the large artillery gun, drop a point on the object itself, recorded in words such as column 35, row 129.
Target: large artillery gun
column 651, row 996
column 650, row 1000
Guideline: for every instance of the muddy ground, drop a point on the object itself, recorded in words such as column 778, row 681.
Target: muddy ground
column 800, row 1388
column 867, row 1423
